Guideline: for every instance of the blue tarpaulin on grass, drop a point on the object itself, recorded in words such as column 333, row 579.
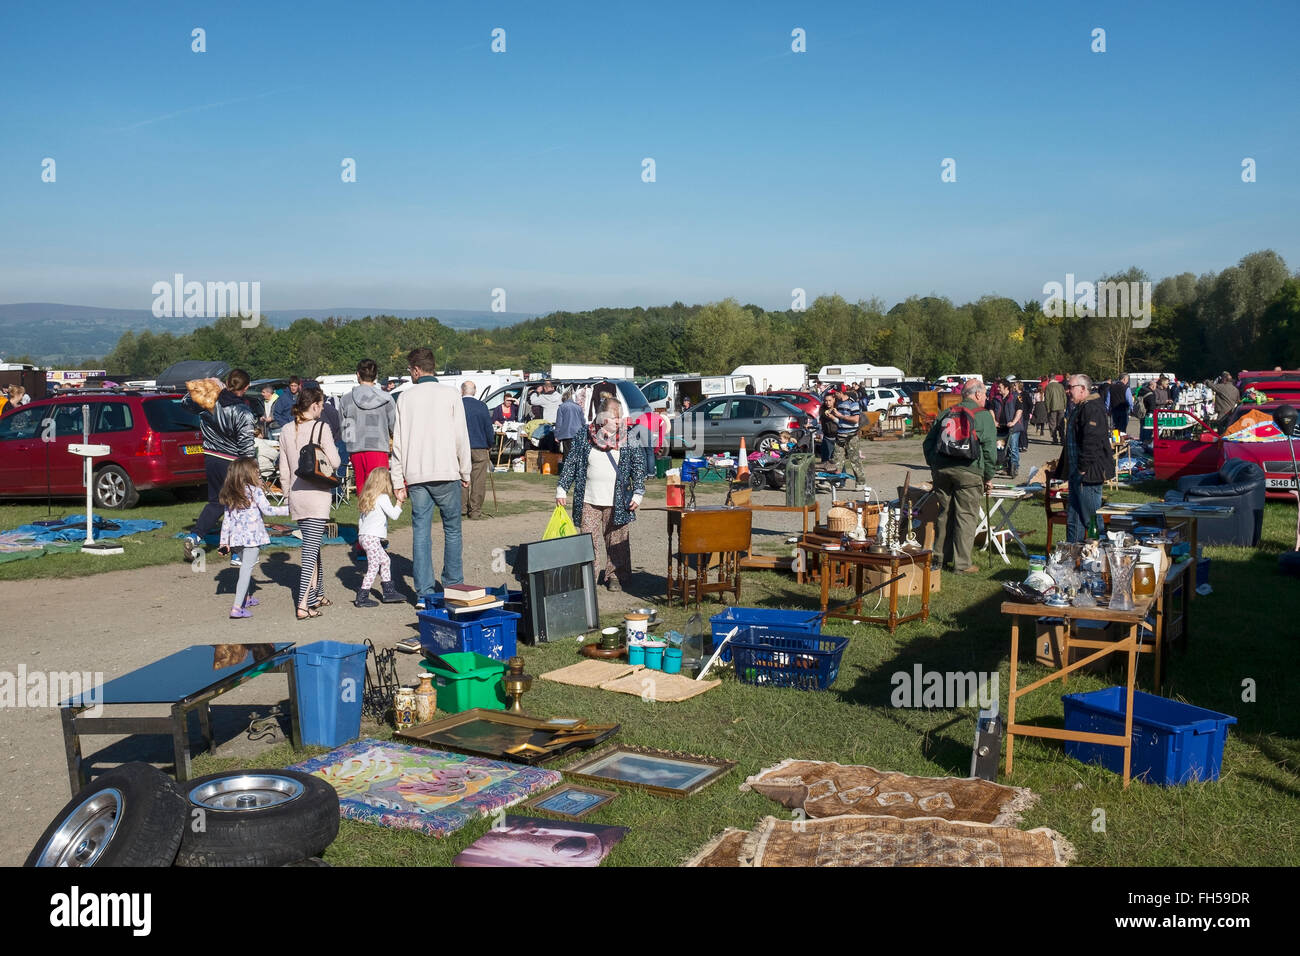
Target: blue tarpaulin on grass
column 72, row 528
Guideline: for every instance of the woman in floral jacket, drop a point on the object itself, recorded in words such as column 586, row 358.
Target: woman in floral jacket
column 607, row 477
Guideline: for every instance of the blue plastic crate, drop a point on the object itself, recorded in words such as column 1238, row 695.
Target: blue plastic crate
column 1173, row 743
column 490, row 633
column 762, row 619
column 502, row 593
column 806, row 662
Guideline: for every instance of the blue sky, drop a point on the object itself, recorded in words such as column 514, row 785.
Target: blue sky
column 522, row 170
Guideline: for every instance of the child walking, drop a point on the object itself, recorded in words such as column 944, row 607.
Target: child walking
column 376, row 506
column 243, row 528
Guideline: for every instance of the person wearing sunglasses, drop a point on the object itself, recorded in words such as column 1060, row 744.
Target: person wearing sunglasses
column 1087, row 458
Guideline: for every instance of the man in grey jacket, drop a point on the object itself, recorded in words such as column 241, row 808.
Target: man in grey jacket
column 367, row 413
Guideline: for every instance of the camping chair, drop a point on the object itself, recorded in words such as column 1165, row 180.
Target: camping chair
column 270, row 475
column 1054, row 503
column 703, row 534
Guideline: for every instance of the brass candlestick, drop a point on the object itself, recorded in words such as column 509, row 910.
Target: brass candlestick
column 516, row 683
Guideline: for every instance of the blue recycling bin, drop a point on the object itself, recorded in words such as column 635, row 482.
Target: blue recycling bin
column 331, row 680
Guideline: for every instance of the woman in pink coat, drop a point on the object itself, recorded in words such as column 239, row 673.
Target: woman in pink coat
column 309, row 501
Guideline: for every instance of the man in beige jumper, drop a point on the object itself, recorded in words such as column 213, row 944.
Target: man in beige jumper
column 430, row 464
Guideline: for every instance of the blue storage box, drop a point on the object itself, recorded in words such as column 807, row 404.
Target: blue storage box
column 502, row 593
column 762, row 619
column 803, row 661
column 490, row 633
column 330, row 677
column 1173, row 742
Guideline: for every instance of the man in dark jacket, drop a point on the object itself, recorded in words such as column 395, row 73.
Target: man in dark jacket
column 1088, row 458
column 1121, row 401
column 959, row 484
column 282, row 410
column 478, row 421
column 227, row 434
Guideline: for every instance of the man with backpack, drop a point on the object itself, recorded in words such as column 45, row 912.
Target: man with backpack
column 962, row 452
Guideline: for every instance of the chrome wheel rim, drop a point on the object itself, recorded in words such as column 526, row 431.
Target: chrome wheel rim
column 83, row 837
column 249, row 791
column 112, row 489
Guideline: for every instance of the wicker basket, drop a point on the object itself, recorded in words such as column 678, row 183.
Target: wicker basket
column 839, row 520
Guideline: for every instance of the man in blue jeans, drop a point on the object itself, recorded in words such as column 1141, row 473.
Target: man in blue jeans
column 1087, row 459
column 431, row 464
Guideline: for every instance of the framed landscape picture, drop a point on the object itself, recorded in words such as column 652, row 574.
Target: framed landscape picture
column 663, row 772
column 571, row 801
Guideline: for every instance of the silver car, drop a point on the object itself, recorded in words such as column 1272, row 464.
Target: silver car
column 718, row 424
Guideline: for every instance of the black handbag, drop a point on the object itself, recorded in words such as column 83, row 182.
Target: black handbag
column 313, row 465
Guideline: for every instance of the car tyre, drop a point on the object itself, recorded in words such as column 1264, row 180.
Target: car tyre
column 114, row 489
column 767, row 444
column 133, row 815
column 258, row 818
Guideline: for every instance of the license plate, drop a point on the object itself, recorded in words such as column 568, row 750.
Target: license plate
column 1279, row 482
column 192, row 450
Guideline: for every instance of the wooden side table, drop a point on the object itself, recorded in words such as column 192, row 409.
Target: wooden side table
column 891, row 563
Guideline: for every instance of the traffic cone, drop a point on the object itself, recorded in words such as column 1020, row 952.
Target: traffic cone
column 742, row 469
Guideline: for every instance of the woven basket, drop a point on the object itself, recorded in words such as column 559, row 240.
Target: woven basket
column 839, row 520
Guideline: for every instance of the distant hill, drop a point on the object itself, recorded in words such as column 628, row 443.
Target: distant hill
column 52, row 333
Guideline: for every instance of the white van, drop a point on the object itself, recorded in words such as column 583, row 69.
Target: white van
column 665, row 394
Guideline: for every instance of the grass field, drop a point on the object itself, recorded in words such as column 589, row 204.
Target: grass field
column 1244, row 632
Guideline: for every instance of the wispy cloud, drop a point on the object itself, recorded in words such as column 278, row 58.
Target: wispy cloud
column 206, row 106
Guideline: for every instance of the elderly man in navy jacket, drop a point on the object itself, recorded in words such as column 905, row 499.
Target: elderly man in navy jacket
column 478, row 420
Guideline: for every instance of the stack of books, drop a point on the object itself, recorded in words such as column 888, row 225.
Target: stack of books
column 461, row 598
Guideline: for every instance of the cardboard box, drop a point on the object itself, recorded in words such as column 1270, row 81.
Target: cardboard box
column 1048, row 642
column 532, row 461
column 909, row 586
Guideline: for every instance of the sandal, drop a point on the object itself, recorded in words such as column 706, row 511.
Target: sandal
column 323, row 602
column 306, row 613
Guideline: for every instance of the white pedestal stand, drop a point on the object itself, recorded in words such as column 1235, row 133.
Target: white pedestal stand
column 90, row 545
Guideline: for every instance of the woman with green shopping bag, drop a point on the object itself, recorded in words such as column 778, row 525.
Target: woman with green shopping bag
column 607, row 477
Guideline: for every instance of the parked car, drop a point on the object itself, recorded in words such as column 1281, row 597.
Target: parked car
column 911, row 388
column 153, row 442
column 1277, row 386
column 806, row 401
column 1185, row 445
column 719, row 423
column 884, row 398
column 629, row 395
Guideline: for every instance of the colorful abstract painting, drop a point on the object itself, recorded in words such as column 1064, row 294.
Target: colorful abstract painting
column 397, row 785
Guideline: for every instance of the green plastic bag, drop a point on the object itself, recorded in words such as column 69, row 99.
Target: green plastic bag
column 560, row 525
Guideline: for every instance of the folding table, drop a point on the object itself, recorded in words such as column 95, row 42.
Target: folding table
column 1004, row 529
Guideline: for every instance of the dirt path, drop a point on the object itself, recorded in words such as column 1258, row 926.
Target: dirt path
column 118, row 621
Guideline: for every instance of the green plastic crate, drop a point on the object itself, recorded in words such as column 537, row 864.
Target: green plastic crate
column 476, row 683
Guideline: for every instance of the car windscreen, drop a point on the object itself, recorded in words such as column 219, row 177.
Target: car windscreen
column 633, row 397
column 167, row 415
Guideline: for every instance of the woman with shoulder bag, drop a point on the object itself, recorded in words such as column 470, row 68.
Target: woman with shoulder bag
column 309, row 486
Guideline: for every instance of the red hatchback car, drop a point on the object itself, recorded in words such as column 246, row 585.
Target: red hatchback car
column 1193, row 447
column 153, row 442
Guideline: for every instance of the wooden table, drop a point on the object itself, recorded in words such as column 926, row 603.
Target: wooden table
column 891, row 563
column 1129, row 645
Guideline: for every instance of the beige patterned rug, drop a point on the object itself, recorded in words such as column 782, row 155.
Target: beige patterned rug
column 884, row 841
column 821, row 789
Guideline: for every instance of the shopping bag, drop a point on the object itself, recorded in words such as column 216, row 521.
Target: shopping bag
column 560, row 525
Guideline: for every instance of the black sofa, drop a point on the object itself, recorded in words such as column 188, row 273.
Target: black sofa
column 1239, row 483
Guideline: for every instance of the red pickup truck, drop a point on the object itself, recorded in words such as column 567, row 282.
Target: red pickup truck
column 1193, row 447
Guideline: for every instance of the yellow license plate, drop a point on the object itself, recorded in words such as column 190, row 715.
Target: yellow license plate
column 192, row 450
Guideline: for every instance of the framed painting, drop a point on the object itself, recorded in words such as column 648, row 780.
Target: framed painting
column 571, row 801
column 663, row 772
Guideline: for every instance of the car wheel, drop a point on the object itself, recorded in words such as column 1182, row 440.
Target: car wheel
column 132, row 815
column 114, row 488
column 258, row 818
column 767, row 444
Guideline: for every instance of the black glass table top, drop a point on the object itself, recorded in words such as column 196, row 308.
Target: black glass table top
column 182, row 675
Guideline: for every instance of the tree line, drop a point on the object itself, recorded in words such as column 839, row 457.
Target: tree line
column 1247, row 316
